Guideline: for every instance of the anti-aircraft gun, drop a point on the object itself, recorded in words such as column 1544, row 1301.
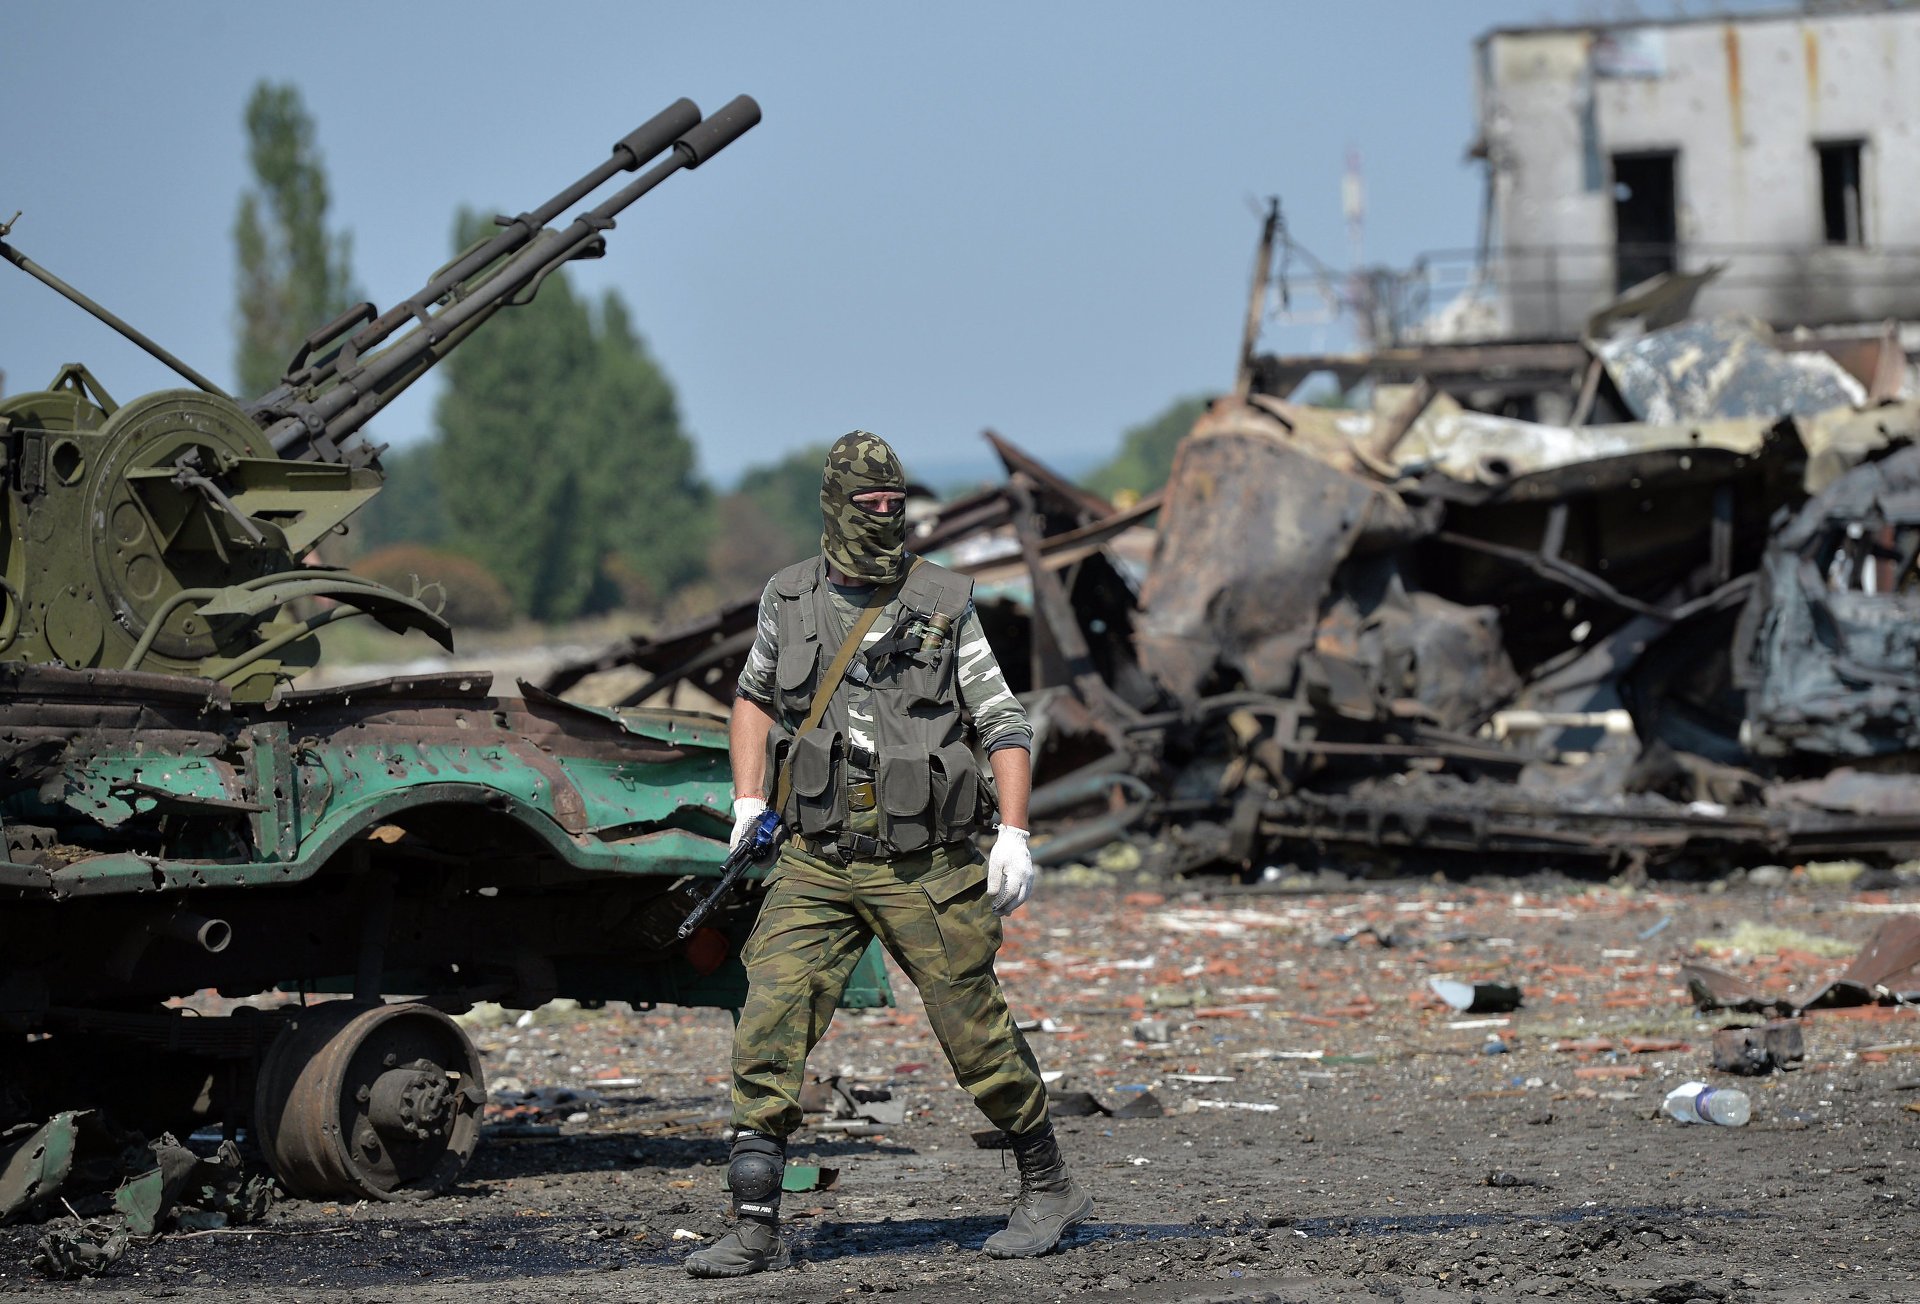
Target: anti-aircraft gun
column 169, row 533
column 176, row 817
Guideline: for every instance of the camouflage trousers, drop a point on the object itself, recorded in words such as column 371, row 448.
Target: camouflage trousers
column 930, row 911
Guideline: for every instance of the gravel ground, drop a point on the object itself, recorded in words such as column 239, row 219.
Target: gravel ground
column 1333, row 1132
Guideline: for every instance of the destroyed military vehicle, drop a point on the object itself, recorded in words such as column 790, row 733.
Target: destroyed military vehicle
column 178, row 818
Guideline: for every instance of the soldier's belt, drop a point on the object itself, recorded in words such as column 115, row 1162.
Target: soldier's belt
column 861, row 796
column 847, row 848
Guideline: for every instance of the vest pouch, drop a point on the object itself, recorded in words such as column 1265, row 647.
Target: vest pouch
column 956, row 790
column 820, row 801
column 923, row 686
column 779, row 753
column 793, row 672
column 904, row 801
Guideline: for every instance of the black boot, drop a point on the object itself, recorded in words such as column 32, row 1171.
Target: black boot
column 754, row 1245
column 1050, row 1205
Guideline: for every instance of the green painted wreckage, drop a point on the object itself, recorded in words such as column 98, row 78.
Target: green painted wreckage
column 371, row 859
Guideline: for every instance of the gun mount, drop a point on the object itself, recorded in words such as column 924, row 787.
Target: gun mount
column 172, row 533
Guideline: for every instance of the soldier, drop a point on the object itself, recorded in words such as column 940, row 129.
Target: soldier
column 877, row 782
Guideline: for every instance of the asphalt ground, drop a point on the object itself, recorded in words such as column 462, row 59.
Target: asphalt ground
column 1332, row 1130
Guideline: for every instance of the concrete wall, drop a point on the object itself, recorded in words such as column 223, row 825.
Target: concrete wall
column 1743, row 103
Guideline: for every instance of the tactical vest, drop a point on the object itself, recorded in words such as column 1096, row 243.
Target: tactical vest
column 928, row 785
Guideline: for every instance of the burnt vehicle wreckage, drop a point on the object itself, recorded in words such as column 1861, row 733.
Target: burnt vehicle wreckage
column 1437, row 635
column 177, row 819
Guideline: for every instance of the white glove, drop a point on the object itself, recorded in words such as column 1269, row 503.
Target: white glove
column 1009, row 871
column 745, row 811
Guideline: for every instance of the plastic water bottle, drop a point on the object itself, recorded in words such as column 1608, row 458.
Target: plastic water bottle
column 1696, row 1102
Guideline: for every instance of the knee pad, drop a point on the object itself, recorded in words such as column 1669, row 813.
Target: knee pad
column 754, row 1173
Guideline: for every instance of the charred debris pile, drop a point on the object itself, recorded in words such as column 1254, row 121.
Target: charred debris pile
column 1678, row 632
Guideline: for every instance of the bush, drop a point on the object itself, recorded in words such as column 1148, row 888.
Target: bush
column 476, row 599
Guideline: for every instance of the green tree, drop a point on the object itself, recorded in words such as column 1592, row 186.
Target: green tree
column 640, row 477
column 294, row 275
column 1146, row 451
column 787, row 494
column 771, row 518
column 560, row 459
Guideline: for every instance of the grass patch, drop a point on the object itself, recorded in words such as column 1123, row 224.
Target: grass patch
column 1771, row 939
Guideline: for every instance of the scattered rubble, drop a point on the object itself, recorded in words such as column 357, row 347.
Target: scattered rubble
column 1886, row 971
column 1352, row 1118
column 77, row 1157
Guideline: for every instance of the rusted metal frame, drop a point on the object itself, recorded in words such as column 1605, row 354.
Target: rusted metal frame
column 1476, row 755
column 1256, row 300
column 1306, row 816
column 1083, row 540
column 1380, row 447
column 1589, row 585
column 1072, row 547
column 1651, row 827
column 732, row 649
column 1402, row 823
column 46, row 687
column 1589, row 391
column 1448, row 365
column 1056, row 617
column 438, row 687
column 968, row 516
column 586, row 734
column 1427, row 740
column 1050, row 601
column 1422, row 828
column 1043, row 478
column 656, row 653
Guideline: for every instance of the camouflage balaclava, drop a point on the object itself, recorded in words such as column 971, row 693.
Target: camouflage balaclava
column 861, row 545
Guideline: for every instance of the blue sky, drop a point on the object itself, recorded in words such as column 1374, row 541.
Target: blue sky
column 1031, row 217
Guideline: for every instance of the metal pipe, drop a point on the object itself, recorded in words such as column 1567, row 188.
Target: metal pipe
column 47, row 278
column 210, row 935
column 1063, row 794
column 1087, row 837
column 311, row 625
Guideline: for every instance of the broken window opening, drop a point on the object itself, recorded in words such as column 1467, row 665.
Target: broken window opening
column 1842, row 207
column 1646, row 220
